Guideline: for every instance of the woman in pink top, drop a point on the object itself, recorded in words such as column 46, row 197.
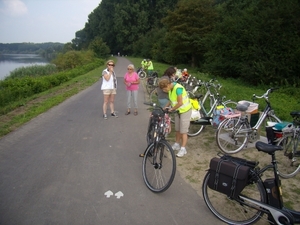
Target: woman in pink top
column 131, row 80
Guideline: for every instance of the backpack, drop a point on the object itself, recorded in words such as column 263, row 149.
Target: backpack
column 219, row 115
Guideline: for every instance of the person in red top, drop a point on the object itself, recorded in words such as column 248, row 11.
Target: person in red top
column 185, row 75
column 132, row 81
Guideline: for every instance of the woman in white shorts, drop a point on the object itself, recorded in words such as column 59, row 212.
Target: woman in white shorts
column 109, row 88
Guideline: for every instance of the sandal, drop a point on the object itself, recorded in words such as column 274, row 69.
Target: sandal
column 135, row 113
column 127, row 113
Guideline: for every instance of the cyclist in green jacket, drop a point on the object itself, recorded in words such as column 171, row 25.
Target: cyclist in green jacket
column 179, row 101
column 150, row 67
column 144, row 64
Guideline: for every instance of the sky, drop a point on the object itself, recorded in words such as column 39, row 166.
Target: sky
column 40, row 21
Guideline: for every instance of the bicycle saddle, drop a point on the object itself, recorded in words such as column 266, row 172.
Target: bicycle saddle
column 242, row 107
column 267, row 148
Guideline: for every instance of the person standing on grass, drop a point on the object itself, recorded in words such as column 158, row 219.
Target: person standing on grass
column 180, row 102
column 109, row 88
column 163, row 97
column 131, row 80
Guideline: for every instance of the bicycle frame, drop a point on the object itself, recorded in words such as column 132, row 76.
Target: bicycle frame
column 278, row 213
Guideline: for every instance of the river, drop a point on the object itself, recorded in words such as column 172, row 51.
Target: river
column 9, row 62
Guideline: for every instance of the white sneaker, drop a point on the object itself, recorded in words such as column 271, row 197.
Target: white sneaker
column 181, row 153
column 176, row 147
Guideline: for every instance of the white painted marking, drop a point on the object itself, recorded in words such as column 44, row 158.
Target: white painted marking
column 119, row 194
column 108, row 193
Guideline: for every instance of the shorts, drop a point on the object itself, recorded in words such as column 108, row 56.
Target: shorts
column 110, row 91
column 182, row 122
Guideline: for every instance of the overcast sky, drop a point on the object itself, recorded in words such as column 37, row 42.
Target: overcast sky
column 40, row 21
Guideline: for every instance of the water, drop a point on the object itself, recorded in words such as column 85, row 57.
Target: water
column 9, row 62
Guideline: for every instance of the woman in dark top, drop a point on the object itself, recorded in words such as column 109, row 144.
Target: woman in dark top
column 163, row 97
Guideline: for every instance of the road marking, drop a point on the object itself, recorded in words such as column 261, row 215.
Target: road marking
column 119, row 194
column 109, row 193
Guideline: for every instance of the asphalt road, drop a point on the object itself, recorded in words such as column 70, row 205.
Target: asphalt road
column 70, row 166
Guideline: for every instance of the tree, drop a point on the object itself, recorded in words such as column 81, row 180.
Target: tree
column 256, row 38
column 99, row 47
column 187, row 26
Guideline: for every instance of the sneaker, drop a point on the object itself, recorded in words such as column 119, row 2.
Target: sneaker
column 114, row 115
column 181, row 153
column 176, row 147
column 105, row 116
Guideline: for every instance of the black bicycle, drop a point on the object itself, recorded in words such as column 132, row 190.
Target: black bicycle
column 159, row 161
column 234, row 192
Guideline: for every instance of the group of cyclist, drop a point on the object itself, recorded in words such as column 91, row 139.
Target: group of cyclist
column 147, row 64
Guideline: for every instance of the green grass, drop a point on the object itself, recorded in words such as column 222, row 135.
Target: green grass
column 39, row 103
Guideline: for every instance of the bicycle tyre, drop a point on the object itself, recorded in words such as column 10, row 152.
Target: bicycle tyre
column 142, row 75
column 230, row 104
column 150, row 88
column 229, row 138
column 158, row 176
column 288, row 161
column 195, row 128
column 153, row 98
column 150, row 133
column 234, row 210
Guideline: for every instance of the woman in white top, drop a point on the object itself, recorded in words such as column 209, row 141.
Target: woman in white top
column 109, row 88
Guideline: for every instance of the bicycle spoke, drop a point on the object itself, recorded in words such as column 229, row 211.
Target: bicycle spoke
column 159, row 169
column 234, row 211
column 288, row 160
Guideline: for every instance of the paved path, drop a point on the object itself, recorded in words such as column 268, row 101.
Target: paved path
column 60, row 167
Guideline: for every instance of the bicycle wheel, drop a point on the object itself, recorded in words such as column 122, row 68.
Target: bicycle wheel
column 234, row 210
column 159, row 166
column 195, row 128
column 230, row 104
column 142, row 75
column 232, row 135
column 150, row 133
column 288, row 160
column 153, row 96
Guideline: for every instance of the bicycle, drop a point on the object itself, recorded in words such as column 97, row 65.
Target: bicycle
column 234, row 132
column 215, row 101
column 159, row 161
column 142, row 73
column 288, row 160
column 255, row 199
column 152, row 82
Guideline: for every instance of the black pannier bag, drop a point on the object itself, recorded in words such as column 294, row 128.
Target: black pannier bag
column 228, row 176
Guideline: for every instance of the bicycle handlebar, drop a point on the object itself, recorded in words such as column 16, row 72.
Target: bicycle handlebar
column 165, row 110
column 265, row 95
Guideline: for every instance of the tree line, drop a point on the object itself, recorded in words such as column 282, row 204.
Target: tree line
column 48, row 50
column 253, row 40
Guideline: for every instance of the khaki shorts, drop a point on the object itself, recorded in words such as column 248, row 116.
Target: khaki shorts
column 182, row 122
column 110, row 91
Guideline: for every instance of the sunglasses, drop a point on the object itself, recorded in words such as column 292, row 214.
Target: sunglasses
column 111, row 64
